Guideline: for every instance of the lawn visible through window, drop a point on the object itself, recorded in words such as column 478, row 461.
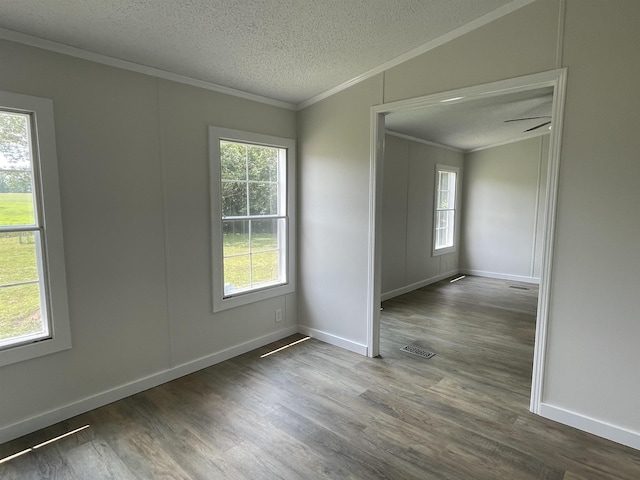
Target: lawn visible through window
column 254, row 222
column 21, row 286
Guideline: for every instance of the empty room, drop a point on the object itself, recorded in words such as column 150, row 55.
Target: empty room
column 205, row 205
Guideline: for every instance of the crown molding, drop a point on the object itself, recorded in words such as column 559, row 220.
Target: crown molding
column 38, row 42
column 56, row 47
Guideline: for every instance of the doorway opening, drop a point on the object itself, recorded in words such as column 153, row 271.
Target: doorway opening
column 554, row 82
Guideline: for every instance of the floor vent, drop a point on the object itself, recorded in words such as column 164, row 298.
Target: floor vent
column 421, row 352
column 518, row 287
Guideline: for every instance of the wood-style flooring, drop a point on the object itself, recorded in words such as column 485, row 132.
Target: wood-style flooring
column 317, row 411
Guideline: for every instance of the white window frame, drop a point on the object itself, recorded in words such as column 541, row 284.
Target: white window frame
column 220, row 301
column 49, row 224
column 456, row 209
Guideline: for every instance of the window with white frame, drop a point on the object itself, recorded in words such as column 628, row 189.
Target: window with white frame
column 253, row 222
column 445, row 209
column 33, row 300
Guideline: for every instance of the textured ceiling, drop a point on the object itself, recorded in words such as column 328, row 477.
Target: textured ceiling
column 473, row 124
column 289, row 50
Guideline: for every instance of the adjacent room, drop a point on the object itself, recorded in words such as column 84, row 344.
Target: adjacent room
column 463, row 213
column 464, row 193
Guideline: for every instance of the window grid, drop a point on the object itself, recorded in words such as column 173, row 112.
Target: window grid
column 251, row 217
column 445, row 211
column 24, row 154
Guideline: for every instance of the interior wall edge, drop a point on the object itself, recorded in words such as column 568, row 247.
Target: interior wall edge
column 335, row 340
column 78, row 407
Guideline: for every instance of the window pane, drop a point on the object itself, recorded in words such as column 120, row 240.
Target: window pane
column 443, row 180
column 265, row 267
column 16, row 198
column 234, row 199
column 237, row 274
column 443, row 199
column 446, row 190
column 264, row 235
column 440, row 238
column 235, row 238
column 263, row 199
column 20, row 314
column 267, row 250
column 20, row 294
column 18, row 262
column 233, row 161
column 263, row 163
column 451, row 191
column 444, row 228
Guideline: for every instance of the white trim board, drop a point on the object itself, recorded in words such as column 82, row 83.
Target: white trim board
column 591, row 425
column 333, row 339
column 415, row 286
column 45, row 419
column 37, row 42
column 500, row 276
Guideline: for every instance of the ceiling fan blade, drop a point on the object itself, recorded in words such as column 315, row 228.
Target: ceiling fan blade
column 538, row 126
column 527, row 118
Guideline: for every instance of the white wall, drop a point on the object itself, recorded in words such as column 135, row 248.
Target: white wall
column 133, row 164
column 591, row 379
column 333, row 215
column 504, row 193
column 334, row 137
column 395, row 183
column 593, row 350
column 407, row 216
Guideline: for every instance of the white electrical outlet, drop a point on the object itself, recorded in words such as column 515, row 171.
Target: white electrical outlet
column 278, row 315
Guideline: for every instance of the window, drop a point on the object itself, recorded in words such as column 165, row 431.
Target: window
column 253, row 223
column 33, row 301
column 445, row 209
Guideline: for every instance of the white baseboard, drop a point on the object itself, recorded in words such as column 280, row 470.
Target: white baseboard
column 333, row 340
column 501, row 276
column 84, row 405
column 596, row 427
column 414, row 286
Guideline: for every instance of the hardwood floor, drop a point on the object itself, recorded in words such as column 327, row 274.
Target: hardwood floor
column 317, row 411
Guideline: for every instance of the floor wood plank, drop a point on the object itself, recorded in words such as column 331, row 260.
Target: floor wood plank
column 315, row 411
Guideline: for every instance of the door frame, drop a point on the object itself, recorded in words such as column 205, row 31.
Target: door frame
column 554, row 78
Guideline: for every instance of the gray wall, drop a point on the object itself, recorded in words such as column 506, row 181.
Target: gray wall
column 595, row 303
column 133, row 164
column 333, row 215
column 504, row 196
column 594, row 289
column 407, row 216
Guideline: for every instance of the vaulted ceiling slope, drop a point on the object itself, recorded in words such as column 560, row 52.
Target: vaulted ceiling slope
column 287, row 50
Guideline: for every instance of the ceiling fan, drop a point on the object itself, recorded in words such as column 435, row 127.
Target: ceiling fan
column 543, row 124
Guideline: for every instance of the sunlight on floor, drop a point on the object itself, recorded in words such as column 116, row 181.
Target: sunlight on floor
column 286, row 346
column 60, row 437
